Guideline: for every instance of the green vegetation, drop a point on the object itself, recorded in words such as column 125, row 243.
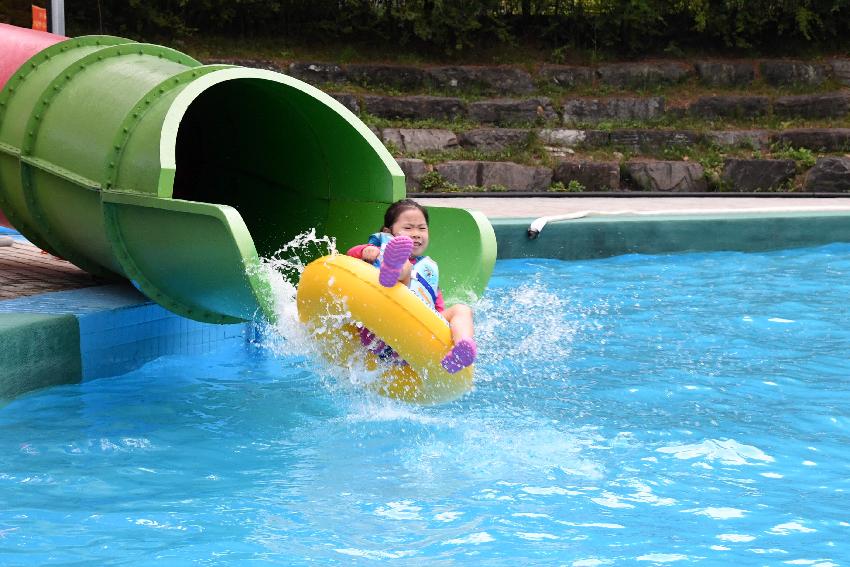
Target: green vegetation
column 433, row 182
column 497, row 30
column 804, row 158
column 574, row 186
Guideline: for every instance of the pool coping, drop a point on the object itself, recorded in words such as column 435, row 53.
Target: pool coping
column 68, row 336
column 602, row 236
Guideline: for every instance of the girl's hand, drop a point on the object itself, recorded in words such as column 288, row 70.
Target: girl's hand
column 370, row 254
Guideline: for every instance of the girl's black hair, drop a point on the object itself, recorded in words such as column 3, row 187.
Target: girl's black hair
column 395, row 210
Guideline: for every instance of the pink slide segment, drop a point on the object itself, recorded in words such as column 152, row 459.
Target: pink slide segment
column 17, row 45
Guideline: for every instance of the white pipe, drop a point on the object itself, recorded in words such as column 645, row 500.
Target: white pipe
column 57, row 17
column 536, row 227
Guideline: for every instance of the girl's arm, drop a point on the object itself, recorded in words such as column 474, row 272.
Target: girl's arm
column 357, row 252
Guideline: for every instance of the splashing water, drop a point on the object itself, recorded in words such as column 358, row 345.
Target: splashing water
column 288, row 337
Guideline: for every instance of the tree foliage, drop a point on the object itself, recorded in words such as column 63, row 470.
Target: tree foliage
column 622, row 27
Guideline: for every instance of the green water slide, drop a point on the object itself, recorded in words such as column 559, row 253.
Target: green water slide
column 134, row 160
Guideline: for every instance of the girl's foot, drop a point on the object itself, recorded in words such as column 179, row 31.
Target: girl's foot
column 395, row 255
column 462, row 355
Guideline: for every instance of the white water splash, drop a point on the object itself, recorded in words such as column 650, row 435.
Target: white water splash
column 287, row 336
column 726, row 451
column 472, row 539
column 791, row 527
column 720, row 513
column 529, row 324
column 373, row 555
column 736, row 538
column 663, row 557
column 404, row 510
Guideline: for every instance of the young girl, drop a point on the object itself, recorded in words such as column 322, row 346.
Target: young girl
column 398, row 252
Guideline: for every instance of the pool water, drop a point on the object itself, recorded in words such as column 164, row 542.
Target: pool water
column 650, row 410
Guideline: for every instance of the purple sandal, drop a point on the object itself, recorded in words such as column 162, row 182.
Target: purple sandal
column 395, row 255
column 462, row 355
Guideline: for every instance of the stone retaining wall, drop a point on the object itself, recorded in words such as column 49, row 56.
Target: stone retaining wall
column 521, row 84
column 512, row 114
column 509, row 80
column 829, row 175
column 413, row 140
column 578, row 111
column 575, row 111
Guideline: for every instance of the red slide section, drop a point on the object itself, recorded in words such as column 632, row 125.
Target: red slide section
column 17, row 45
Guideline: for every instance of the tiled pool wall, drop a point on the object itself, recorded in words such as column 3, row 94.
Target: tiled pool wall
column 69, row 336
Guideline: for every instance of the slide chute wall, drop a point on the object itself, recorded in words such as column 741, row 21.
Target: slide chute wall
column 135, row 160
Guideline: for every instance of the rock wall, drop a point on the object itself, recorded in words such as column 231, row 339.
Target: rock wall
column 508, row 107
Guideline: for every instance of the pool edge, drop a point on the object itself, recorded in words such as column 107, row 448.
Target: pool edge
column 65, row 337
column 605, row 236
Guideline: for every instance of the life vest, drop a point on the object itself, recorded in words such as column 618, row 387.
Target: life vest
column 424, row 277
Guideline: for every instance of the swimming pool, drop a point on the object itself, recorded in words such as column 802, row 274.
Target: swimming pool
column 673, row 409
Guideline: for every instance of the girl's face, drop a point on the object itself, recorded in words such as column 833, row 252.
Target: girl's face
column 411, row 222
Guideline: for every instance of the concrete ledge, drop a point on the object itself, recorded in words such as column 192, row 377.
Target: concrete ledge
column 68, row 336
column 601, row 236
column 37, row 351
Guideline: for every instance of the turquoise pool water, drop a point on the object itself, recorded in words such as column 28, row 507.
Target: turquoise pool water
column 648, row 410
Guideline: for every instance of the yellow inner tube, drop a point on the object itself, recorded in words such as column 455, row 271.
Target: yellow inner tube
column 335, row 292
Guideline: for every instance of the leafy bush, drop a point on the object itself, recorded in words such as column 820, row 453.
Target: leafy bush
column 432, row 181
column 804, row 157
column 574, row 186
column 623, row 27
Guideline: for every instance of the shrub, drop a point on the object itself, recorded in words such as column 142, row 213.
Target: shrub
column 624, row 27
column 574, row 186
column 434, row 182
column 804, row 157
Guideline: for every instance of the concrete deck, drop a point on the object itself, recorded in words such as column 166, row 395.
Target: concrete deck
column 27, row 270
